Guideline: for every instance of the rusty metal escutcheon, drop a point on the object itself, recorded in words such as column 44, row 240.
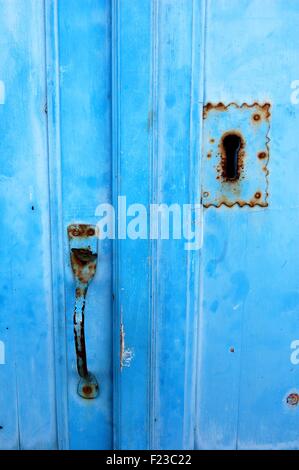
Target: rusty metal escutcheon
column 83, row 254
column 236, row 152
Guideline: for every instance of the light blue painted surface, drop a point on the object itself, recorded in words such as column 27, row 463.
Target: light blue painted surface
column 27, row 401
column 157, row 118
column 53, row 172
column 132, row 164
column 249, row 294
column 206, row 335
column 84, row 61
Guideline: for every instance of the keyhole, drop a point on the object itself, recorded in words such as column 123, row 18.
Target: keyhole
column 231, row 145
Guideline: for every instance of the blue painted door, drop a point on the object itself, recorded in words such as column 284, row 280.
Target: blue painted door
column 192, row 338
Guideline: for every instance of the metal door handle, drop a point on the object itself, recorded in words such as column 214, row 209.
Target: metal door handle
column 83, row 252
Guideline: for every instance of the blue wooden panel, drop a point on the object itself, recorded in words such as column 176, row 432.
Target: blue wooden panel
column 157, row 108
column 84, row 55
column 56, row 225
column 249, row 314
column 177, row 181
column 132, row 166
column 27, row 400
column 55, row 109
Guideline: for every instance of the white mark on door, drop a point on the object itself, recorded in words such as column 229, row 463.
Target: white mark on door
column 2, row 353
column 235, row 307
column 31, row 193
column 295, row 93
column 126, row 354
column 295, row 354
column 2, row 92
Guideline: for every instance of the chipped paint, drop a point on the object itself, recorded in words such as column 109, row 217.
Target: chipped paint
column 126, row 354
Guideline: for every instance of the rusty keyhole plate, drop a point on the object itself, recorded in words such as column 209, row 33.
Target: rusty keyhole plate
column 250, row 124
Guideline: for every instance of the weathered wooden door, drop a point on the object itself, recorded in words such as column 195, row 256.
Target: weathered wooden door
column 191, row 334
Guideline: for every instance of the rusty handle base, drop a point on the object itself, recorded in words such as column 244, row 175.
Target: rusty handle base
column 88, row 387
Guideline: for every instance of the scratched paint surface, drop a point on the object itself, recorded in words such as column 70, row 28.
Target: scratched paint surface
column 250, row 269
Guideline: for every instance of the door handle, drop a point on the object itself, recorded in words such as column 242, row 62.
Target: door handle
column 83, row 254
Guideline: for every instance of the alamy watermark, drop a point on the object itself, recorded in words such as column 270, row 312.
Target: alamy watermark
column 154, row 222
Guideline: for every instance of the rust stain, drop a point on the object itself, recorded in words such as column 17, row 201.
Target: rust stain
column 223, row 201
column 83, row 263
column 80, row 292
column 264, row 113
column 293, row 399
column 262, row 155
column 87, row 390
column 263, row 109
column 210, row 106
column 80, row 230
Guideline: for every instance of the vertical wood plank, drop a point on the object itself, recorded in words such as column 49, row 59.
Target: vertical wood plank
column 85, row 115
column 250, row 255
column 27, row 401
column 180, row 54
column 157, row 109
column 56, row 223
column 132, row 137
